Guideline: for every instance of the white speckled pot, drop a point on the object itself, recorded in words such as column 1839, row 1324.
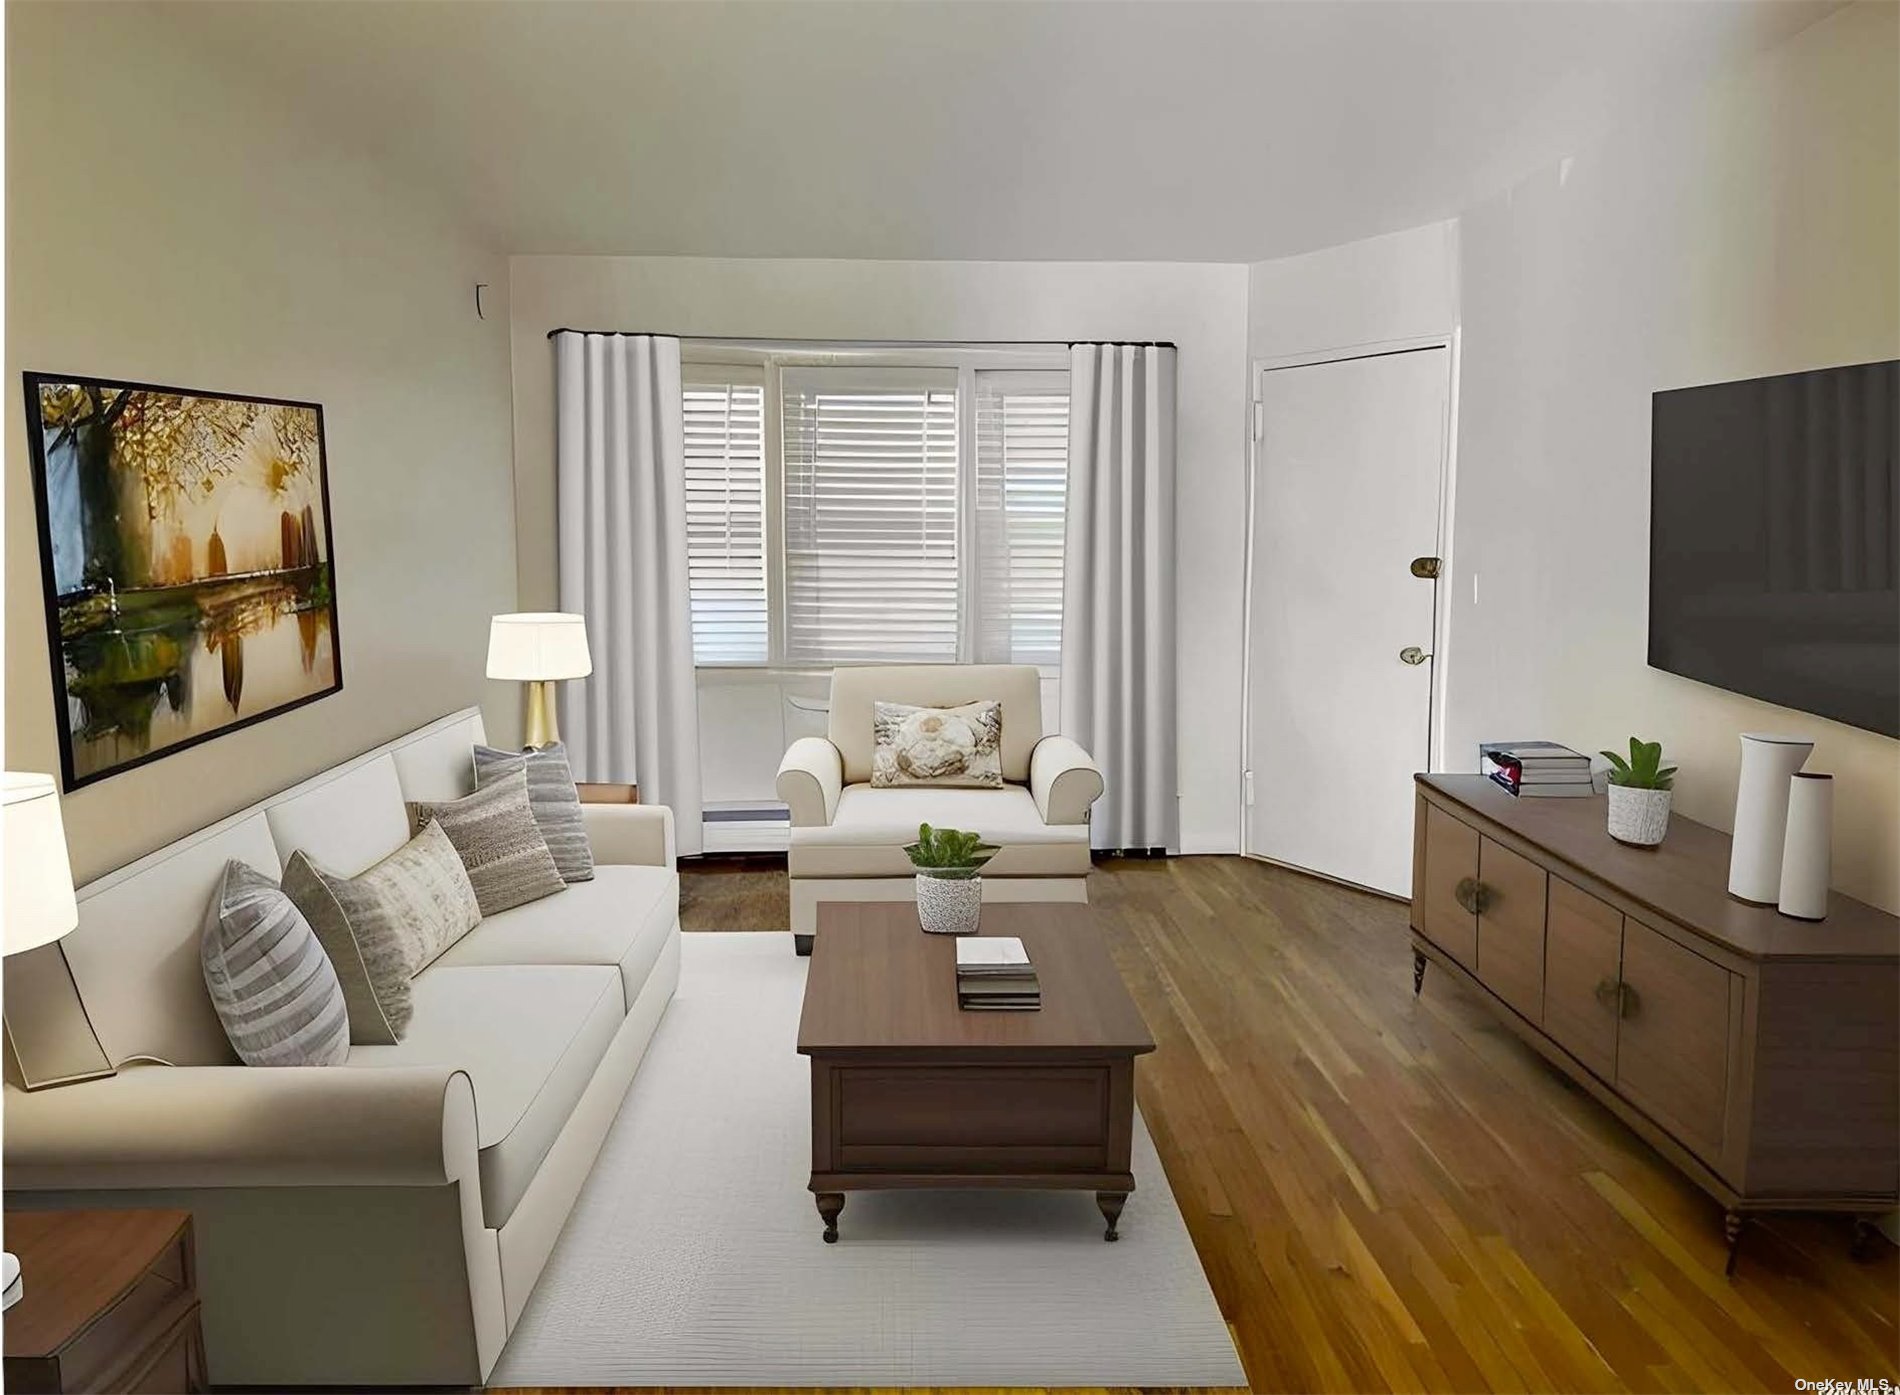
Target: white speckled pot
column 1638, row 816
column 949, row 905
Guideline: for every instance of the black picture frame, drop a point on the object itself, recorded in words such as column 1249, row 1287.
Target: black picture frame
column 71, row 778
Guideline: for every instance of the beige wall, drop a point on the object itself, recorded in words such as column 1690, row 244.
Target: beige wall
column 1752, row 229
column 168, row 222
column 1200, row 308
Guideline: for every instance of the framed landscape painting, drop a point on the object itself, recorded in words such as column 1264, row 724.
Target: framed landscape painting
column 186, row 553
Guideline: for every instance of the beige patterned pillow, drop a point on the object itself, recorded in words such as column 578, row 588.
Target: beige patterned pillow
column 943, row 746
column 382, row 927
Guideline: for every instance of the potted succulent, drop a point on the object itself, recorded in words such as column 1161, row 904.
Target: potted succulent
column 1639, row 794
column 949, row 889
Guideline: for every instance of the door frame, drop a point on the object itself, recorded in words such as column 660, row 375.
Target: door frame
column 1257, row 370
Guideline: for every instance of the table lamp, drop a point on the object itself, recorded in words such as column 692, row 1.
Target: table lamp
column 38, row 906
column 539, row 648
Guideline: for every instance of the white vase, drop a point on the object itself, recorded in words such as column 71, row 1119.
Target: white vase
column 1638, row 816
column 1807, row 851
column 949, row 905
column 1761, row 815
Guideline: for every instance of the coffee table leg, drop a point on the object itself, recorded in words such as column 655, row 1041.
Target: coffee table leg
column 1111, row 1204
column 829, row 1205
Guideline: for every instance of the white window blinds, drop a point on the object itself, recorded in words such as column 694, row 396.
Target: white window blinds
column 870, row 503
column 1022, row 460
column 725, row 515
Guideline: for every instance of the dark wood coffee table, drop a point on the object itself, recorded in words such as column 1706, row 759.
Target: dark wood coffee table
column 909, row 1090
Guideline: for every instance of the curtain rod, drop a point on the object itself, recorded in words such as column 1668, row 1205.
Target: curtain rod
column 875, row 343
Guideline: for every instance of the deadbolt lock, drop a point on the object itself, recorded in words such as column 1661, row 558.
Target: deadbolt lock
column 1426, row 568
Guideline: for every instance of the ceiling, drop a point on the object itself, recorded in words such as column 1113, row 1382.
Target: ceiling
column 1021, row 130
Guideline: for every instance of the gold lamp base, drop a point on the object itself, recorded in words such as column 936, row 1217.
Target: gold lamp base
column 543, row 728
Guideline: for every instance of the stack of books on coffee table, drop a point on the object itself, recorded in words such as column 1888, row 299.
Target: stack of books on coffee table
column 994, row 975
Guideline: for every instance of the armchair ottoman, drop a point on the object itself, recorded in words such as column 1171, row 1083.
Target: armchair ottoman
column 848, row 836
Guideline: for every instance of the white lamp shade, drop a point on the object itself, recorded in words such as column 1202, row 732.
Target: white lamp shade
column 36, row 880
column 537, row 646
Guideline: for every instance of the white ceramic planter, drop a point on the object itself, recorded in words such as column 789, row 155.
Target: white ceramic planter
column 949, row 905
column 1638, row 816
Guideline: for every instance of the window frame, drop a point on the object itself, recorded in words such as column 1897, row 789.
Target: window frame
column 706, row 362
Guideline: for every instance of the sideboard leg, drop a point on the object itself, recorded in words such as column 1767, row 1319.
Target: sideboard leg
column 1866, row 1239
column 1732, row 1223
column 829, row 1205
column 1418, row 972
column 1111, row 1204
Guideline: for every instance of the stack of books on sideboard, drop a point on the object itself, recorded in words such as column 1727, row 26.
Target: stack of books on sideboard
column 994, row 975
column 1541, row 769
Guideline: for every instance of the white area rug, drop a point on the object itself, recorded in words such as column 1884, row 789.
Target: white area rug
column 693, row 1256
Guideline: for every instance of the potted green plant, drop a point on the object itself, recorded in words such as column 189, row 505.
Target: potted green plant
column 1639, row 794
column 949, row 887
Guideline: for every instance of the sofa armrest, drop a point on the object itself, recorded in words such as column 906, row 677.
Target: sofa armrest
column 1063, row 780
column 810, row 778
column 244, row 1126
column 630, row 834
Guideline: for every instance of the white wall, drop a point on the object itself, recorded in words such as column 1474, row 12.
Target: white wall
column 167, row 222
column 1200, row 308
column 1400, row 286
column 1753, row 230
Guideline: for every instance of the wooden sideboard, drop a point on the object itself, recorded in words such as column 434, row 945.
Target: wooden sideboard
column 1759, row 1054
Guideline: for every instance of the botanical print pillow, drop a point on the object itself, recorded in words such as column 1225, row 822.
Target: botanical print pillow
column 955, row 746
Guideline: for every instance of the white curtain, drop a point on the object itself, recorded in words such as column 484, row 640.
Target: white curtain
column 1118, row 588
column 621, row 489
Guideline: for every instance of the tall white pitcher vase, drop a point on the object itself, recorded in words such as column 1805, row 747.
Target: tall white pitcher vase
column 1761, row 814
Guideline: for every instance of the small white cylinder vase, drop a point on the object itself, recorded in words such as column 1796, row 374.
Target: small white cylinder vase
column 1638, row 817
column 949, row 905
column 1761, row 815
column 1807, row 852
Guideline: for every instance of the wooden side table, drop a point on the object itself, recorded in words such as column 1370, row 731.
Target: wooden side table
column 111, row 1303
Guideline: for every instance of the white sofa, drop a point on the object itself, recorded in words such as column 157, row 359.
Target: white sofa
column 381, row 1222
column 848, row 837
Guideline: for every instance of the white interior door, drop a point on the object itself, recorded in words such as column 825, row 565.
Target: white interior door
column 1347, row 479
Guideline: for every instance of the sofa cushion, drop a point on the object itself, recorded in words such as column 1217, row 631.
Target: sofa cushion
column 867, row 835
column 530, row 1037
column 440, row 765
column 621, row 918
column 347, row 822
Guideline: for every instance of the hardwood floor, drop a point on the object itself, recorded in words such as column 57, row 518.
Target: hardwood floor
column 1390, row 1193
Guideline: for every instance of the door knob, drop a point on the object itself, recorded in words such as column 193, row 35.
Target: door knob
column 1426, row 568
column 1412, row 654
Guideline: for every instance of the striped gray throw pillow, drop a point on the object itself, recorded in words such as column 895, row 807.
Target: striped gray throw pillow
column 494, row 831
column 552, row 799
column 273, row 986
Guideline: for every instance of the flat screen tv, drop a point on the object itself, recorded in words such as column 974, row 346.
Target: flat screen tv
column 1774, row 543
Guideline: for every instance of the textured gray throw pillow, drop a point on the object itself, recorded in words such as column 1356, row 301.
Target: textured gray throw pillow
column 273, row 986
column 552, row 799
column 383, row 926
column 494, row 831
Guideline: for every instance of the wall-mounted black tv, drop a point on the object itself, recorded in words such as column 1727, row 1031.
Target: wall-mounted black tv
column 1774, row 540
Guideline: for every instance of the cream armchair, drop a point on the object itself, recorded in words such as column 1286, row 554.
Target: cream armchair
column 848, row 838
